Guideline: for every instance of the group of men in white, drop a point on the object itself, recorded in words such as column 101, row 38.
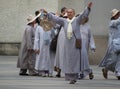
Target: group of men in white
column 36, row 54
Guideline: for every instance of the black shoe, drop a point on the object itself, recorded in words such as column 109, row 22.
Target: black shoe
column 118, row 77
column 91, row 76
column 34, row 74
column 81, row 76
column 58, row 75
column 23, row 74
column 72, row 82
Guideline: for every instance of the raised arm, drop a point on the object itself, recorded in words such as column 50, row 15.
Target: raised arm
column 54, row 18
column 85, row 13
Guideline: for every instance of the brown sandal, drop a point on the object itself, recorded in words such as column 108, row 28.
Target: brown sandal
column 105, row 73
column 91, row 76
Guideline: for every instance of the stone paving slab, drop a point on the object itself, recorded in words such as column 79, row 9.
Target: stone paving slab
column 9, row 79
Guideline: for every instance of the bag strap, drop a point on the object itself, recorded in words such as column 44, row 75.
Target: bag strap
column 74, row 35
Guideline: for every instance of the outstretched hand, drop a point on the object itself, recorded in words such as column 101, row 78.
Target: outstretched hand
column 43, row 10
column 89, row 4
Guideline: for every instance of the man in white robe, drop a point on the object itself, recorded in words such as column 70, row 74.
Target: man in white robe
column 111, row 60
column 87, row 42
column 60, row 46
column 44, row 61
column 71, row 64
column 26, row 58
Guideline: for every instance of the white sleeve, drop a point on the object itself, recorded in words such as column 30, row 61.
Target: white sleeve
column 115, row 23
column 91, row 39
column 37, row 39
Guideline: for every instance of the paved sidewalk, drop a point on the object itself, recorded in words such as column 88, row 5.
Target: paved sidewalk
column 9, row 79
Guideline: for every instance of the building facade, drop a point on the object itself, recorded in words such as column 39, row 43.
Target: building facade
column 14, row 13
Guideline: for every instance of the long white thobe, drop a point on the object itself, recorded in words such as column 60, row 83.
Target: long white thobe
column 71, row 64
column 60, row 49
column 44, row 61
column 26, row 60
column 111, row 60
column 87, row 42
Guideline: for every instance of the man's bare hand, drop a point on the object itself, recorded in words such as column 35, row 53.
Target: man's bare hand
column 43, row 10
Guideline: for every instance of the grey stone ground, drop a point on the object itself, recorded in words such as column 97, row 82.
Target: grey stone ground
column 9, row 79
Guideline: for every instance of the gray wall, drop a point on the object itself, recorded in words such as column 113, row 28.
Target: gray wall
column 13, row 14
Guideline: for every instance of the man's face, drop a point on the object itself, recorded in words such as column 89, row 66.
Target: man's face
column 33, row 23
column 70, row 13
column 117, row 16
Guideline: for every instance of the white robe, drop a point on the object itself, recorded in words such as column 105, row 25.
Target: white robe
column 111, row 60
column 60, row 49
column 38, row 44
column 27, row 60
column 71, row 64
column 43, row 59
column 87, row 42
